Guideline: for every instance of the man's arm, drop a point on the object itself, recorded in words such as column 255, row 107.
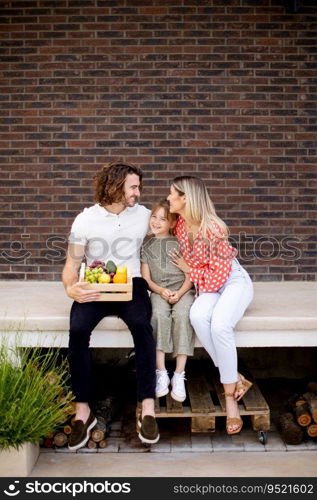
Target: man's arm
column 74, row 288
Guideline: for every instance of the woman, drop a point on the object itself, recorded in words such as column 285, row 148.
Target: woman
column 224, row 289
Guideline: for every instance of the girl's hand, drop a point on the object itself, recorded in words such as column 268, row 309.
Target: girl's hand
column 174, row 297
column 166, row 293
column 179, row 261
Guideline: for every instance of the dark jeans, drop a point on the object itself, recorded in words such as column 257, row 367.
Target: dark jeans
column 137, row 315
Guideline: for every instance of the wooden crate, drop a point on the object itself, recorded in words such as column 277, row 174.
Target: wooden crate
column 114, row 292
column 206, row 402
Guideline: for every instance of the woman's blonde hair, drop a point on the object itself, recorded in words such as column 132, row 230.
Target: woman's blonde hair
column 199, row 207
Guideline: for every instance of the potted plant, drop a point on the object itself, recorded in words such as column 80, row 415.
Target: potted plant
column 33, row 401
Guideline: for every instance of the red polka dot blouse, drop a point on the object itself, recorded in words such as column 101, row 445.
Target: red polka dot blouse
column 209, row 259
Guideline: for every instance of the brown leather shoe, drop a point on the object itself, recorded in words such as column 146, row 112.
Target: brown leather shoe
column 80, row 432
column 148, row 430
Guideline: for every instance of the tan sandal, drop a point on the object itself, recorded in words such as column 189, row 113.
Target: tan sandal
column 233, row 421
column 242, row 385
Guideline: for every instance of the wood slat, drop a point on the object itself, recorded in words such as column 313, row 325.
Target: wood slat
column 253, row 400
column 219, row 390
column 199, row 395
column 187, row 413
column 203, row 424
column 157, row 406
column 173, row 406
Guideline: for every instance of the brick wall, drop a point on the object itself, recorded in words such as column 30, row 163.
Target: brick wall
column 222, row 89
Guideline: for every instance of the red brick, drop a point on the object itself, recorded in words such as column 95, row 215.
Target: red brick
column 174, row 87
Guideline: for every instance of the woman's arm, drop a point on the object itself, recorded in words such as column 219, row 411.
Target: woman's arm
column 146, row 274
column 211, row 263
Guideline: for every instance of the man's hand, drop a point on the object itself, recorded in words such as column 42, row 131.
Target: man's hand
column 78, row 292
column 174, row 297
column 166, row 293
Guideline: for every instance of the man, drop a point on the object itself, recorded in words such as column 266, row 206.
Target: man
column 112, row 229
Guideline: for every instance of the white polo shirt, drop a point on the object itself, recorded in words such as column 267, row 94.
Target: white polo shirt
column 108, row 236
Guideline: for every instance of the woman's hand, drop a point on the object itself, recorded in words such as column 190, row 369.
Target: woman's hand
column 179, row 261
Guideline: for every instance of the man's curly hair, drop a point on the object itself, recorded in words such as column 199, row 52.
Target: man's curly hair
column 109, row 182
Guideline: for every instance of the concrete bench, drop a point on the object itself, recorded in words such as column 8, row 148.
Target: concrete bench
column 282, row 314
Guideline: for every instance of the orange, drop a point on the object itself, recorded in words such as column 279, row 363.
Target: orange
column 120, row 278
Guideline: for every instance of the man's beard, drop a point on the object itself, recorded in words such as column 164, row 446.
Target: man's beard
column 130, row 202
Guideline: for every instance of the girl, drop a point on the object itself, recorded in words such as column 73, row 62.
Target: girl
column 172, row 296
column 224, row 289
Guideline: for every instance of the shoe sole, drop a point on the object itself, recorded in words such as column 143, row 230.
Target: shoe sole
column 247, row 384
column 84, row 441
column 177, row 398
column 146, row 440
column 161, row 394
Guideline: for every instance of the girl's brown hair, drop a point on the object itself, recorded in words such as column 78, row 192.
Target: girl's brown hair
column 109, row 182
column 165, row 205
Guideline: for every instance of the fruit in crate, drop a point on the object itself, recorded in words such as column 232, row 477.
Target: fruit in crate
column 121, row 270
column 97, row 263
column 92, row 275
column 99, row 272
column 113, row 286
column 121, row 275
column 120, row 278
column 104, row 278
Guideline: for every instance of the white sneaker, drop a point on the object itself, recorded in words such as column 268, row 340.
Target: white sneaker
column 162, row 383
column 178, row 391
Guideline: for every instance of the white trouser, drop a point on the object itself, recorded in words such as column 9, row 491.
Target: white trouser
column 214, row 316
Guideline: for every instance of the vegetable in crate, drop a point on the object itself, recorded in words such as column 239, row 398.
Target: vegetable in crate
column 110, row 267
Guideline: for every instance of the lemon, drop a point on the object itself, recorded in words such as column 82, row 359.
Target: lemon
column 121, row 270
column 104, row 278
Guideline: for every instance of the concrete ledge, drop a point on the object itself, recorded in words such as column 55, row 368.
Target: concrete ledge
column 18, row 463
column 281, row 314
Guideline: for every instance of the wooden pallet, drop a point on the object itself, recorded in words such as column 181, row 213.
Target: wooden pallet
column 206, row 402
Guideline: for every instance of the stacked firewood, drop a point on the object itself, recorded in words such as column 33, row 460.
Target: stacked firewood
column 300, row 419
column 102, row 411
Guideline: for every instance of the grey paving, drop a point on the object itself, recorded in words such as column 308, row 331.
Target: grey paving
column 311, row 445
column 113, row 446
column 201, row 443
column 180, row 444
column 275, row 442
column 246, row 464
column 163, row 446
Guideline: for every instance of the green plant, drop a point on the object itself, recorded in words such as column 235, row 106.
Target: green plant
column 33, row 394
